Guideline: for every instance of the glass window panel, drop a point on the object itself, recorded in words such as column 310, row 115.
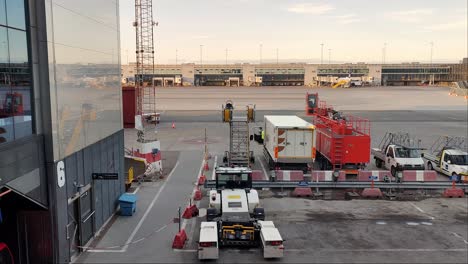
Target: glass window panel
column 20, row 83
column 2, row 13
column 7, row 132
column 16, row 14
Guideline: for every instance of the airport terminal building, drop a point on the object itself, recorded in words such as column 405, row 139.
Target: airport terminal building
column 60, row 122
column 299, row 74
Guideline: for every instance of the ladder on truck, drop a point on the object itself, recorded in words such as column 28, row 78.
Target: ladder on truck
column 401, row 139
column 239, row 149
column 445, row 142
column 239, row 153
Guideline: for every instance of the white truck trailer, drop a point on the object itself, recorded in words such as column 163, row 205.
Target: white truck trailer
column 289, row 142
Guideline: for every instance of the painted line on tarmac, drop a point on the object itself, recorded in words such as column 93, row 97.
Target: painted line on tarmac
column 422, row 211
column 264, row 171
column 138, row 226
column 184, row 222
column 105, row 251
column 136, row 190
column 213, row 176
column 343, row 250
column 457, row 235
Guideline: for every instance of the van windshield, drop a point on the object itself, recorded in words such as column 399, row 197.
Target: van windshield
column 407, row 153
column 459, row 159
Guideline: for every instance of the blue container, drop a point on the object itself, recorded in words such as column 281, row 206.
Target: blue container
column 127, row 204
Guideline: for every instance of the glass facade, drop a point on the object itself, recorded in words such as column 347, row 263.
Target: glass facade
column 15, row 72
column 84, row 72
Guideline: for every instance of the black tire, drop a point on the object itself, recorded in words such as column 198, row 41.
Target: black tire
column 211, row 213
column 378, row 163
column 259, row 214
column 393, row 171
column 429, row 166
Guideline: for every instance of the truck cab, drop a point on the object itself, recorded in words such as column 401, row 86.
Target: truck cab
column 451, row 162
column 399, row 158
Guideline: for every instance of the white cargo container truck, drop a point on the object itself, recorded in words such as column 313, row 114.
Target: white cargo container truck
column 289, row 143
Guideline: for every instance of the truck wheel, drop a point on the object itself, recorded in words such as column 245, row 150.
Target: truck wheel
column 393, row 171
column 378, row 163
column 211, row 213
column 429, row 166
column 259, row 213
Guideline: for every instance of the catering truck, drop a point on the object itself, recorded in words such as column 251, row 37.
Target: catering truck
column 289, row 142
column 448, row 156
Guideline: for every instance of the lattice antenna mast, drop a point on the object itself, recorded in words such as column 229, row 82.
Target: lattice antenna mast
column 145, row 90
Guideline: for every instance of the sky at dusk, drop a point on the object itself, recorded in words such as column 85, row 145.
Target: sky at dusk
column 292, row 30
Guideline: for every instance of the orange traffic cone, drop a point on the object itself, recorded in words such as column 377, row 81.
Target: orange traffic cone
column 173, row 125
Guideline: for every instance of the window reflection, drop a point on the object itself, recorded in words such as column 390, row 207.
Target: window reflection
column 15, row 13
column 2, row 13
column 15, row 74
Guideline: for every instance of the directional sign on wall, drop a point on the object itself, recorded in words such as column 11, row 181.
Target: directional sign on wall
column 105, row 176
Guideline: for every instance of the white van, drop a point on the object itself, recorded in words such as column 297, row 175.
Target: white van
column 208, row 243
column 272, row 242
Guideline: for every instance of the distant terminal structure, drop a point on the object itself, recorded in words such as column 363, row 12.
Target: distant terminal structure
column 301, row 74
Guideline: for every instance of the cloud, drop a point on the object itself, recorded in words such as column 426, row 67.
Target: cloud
column 448, row 26
column 200, row 37
column 347, row 19
column 310, row 8
column 410, row 16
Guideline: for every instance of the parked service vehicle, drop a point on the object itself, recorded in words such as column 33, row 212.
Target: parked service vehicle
column 398, row 152
column 234, row 209
column 208, row 243
column 448, row 157
column 289, row 142
column 272, row 242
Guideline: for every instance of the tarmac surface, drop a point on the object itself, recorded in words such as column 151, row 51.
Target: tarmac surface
column 316, row 231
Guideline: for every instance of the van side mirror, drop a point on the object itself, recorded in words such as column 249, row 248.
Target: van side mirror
column 251, row 137
column 422, row 155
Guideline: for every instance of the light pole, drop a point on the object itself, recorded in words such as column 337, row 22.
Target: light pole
column 384, row 53
column 201, row 55
column 277, row 56
column 432, row 50
column 226, row 56
column 176, row 56
column 201, row 65
column 329, row 56
column 261, row 47
column 321, row 57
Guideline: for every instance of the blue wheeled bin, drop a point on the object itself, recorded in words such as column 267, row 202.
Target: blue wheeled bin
column 127, row 204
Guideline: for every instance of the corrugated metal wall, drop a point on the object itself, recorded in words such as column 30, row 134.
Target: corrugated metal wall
column 105, row 156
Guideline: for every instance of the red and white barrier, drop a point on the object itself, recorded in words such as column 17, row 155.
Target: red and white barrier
column 364, row 175
column 283, row 175
column 257, row 175
column 326, row 176
column 419, row 175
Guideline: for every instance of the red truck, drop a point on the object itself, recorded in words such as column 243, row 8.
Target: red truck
column 12, row 105
column 343, row 142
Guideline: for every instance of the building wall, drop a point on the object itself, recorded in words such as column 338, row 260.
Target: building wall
column 105, row 156
column 310, row 75
column 248, row 74
column 314, row 73
column 188, row 74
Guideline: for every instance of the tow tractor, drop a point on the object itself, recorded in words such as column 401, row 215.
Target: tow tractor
column 234, row 212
